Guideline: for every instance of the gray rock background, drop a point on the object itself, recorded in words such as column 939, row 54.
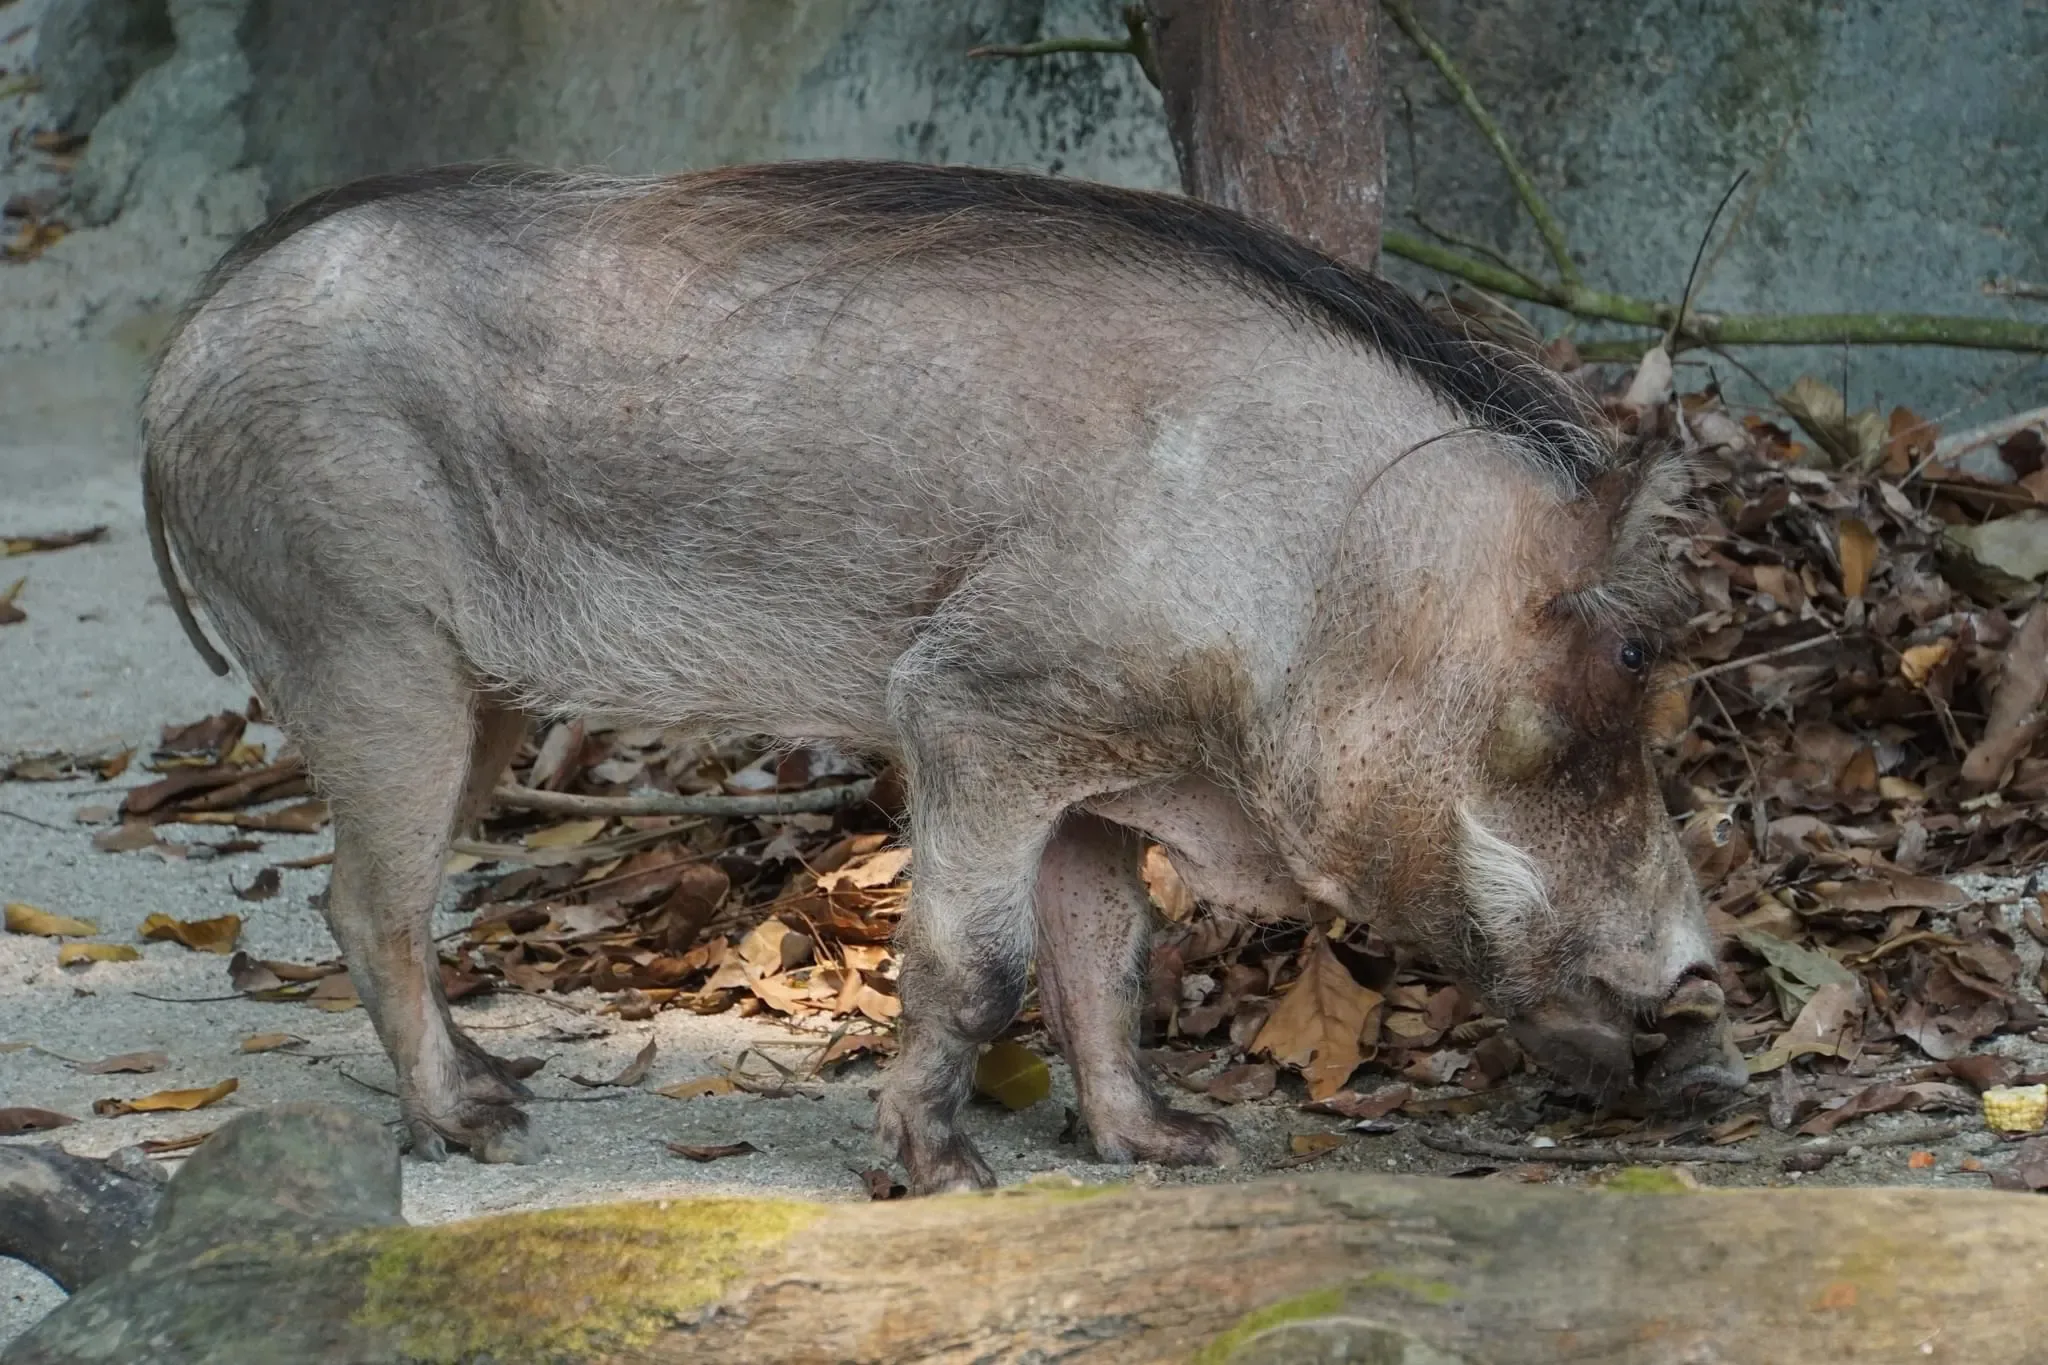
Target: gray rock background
column 1895, row 150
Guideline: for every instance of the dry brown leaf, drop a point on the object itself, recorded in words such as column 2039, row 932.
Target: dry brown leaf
column 126, row 837
column 1350, row 1104
column 1168, row 891
column 1252, row 1081
column 698, row 1087
column 85, row 954
column 567, row 834
column 173, row 1146
column 1317, row 1025
column 27, row 919
column 201, row 935
column 715, row 1153
column 1856, row 545
column 2016, row 718
column 334, row 994
column 1919, row 661
column 1309, row 1145
column 22, row 1119
column 635, row 1071
column 164, row 1101
column 1818, row 1029
column 270, row 1042
column 879, row 868
column 771, row 948
column 265, row 885
column 57, row 540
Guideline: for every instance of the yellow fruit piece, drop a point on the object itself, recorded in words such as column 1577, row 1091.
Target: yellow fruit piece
column 2016, row 1108
column 1012, row 1075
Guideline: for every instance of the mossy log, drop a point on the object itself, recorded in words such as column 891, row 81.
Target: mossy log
column 280, row 1241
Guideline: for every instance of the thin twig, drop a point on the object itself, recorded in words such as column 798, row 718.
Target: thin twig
column 1692, row 276
column 347, row 1075
column 1138, row 44
column 1646, row 1155
column 1756, row 782
column 776, row 803
column 31, row 820
column 1051, row 46
column 1547, row 225
column 1471, row 244
column 1731, row 665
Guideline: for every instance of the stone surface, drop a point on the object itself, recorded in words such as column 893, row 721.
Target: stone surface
column 89, row 51
column 1894, row 152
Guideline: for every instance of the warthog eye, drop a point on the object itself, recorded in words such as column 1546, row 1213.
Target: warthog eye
column 1635, row 656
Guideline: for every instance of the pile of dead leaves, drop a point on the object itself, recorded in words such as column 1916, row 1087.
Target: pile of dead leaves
column 1854, row 723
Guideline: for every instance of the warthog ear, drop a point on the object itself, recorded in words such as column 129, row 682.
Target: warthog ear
column 1525, row 740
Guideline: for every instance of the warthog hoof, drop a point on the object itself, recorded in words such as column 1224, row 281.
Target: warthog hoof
column 496, row 1134
column 1170, row 1137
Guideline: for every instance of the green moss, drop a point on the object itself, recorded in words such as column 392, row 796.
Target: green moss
column 1319, row 1303
column 1414, row 1286
column 565, row 1282
column 1646, row 1180
column 1053, row 1188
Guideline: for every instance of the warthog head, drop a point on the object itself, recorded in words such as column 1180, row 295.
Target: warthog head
column 1487, row 796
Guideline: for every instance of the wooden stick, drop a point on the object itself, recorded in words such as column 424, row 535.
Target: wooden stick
column 1645, row 1155
column 711, row 803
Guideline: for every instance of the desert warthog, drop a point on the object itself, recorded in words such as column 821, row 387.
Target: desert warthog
column 1107, row 514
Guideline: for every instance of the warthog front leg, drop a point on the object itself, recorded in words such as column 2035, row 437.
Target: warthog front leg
column 1095, row 935
column 983, row 801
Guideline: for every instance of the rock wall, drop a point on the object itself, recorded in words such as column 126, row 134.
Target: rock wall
column 1896, row 149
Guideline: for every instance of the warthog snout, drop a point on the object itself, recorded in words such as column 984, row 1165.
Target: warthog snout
column 1677, row 1051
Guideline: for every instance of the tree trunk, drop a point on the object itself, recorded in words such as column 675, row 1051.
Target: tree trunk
column 275, row 1244
column 1275, row 111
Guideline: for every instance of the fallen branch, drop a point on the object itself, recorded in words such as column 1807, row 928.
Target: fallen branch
column 280, row 1240
column 1645, row 1155
column 1725, row 329
column 1905, row 1137
column 1991, row 433
column 1138, row 45
column 776, row 803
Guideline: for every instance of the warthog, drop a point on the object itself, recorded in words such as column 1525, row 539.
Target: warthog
column 1108, row 515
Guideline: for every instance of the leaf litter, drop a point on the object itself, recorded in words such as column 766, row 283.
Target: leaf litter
column 1852, row 721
